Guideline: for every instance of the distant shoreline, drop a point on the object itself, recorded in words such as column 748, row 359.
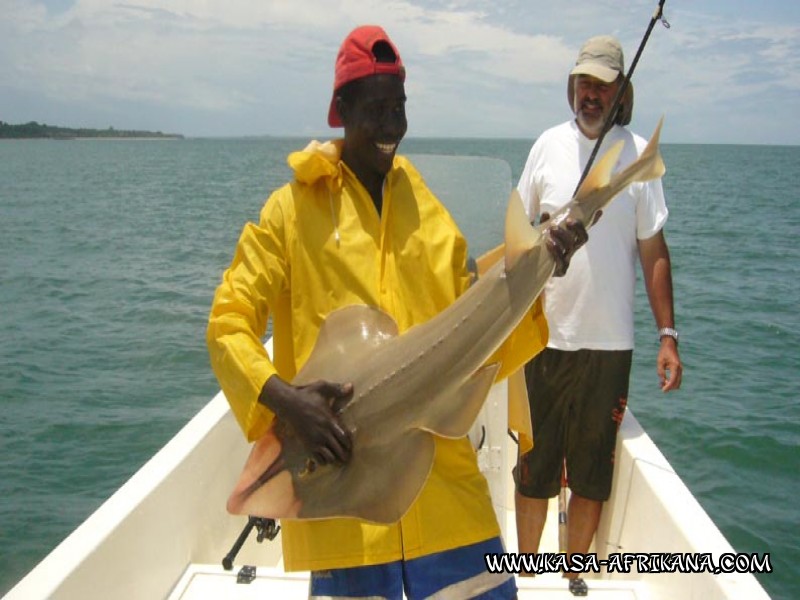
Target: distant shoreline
column 164, row 138
column 102, row 138
column 36, row 131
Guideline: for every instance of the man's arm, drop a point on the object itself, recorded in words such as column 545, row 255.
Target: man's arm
column 237, row 323
column 657, row 269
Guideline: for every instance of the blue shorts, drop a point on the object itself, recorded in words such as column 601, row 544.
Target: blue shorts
column 459, row 573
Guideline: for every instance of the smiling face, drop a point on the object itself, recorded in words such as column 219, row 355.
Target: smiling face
column 592, row 103
column 374, row 117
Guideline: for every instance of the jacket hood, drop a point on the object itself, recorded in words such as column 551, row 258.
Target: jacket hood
column 318, row 160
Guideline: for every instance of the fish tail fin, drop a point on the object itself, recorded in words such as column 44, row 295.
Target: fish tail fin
column 600, row 175
column 651, row 156
column 520, row 236
column 648, row 166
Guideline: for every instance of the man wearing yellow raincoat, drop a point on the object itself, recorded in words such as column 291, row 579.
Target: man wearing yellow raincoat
column 358, row 225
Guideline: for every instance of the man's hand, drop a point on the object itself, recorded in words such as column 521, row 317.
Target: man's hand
column 563, row 241
column 312, row 411
column 669, row 363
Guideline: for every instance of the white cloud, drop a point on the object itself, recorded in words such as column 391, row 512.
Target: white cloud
column 475, row 67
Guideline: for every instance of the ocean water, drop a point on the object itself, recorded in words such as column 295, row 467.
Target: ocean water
column 110, row 252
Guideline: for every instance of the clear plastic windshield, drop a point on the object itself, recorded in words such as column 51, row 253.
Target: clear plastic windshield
column 474, row 189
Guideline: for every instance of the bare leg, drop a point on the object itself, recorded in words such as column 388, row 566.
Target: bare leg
column 583, row 518
column 531, row 516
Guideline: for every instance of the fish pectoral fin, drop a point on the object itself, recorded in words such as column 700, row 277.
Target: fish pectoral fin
column 347, row 336
column 452, row 416
column 520, row 235
column 379, row 484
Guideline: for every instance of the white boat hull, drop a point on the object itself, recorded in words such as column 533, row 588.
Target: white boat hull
column 164, row 533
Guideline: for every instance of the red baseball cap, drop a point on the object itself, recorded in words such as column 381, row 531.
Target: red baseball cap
column 357, row 58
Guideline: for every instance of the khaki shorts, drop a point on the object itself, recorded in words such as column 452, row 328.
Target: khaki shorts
column 577, row 400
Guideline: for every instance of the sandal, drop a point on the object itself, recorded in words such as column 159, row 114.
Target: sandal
column 578, row 587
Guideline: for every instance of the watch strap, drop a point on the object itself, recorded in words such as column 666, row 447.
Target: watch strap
column 673, row 333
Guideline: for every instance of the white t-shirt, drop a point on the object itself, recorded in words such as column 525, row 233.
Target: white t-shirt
column 592, row 305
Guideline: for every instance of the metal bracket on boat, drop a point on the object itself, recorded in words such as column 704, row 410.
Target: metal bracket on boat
column 246, row 574
column 266, row 528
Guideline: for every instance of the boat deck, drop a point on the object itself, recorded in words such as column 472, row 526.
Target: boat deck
column 209, row 581
column 206, row 582
column 168, row 521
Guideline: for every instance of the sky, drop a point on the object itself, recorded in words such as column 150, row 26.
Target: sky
column 725, row 71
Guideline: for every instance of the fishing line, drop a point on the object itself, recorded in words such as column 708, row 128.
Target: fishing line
column 658, row 15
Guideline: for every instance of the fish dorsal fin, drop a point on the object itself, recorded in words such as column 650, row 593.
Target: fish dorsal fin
column 441, row 419
column 520, row 236
column 600, row 174
column 347, row 335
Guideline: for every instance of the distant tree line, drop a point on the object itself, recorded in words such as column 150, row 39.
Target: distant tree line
column 36, row 130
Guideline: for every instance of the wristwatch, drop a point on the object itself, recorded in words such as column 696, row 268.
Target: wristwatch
column 673, row 333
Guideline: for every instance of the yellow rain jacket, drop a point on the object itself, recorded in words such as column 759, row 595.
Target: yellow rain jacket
column 321, row 245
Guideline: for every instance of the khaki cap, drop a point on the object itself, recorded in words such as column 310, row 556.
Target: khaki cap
column 601, row 57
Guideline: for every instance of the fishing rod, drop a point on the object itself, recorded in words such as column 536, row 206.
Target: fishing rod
column 658, row 15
